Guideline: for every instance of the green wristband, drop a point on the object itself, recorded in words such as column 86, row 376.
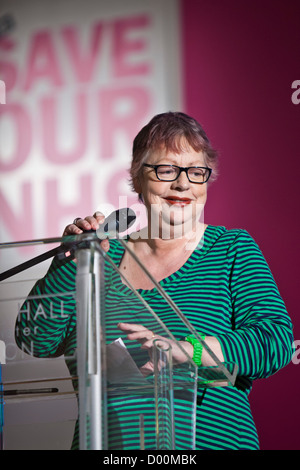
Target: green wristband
column 197, row 354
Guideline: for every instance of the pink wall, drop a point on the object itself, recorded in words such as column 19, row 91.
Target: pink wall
column 240, row 60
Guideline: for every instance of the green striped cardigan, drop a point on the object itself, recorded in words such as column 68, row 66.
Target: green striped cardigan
column 225, row 289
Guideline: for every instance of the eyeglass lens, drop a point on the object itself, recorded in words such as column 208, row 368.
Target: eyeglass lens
column 169, row 173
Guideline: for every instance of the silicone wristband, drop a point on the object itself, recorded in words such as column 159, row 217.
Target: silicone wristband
column 198, row 348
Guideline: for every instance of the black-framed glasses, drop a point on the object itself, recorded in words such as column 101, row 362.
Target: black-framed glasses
column 195, row 174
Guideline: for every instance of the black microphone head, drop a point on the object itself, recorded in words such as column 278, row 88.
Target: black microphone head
column 125, row 219
column 117, row 222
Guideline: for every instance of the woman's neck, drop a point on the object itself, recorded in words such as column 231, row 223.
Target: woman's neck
column 165, row 246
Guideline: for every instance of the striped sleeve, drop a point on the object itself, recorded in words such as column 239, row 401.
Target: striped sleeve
column 48, row 316
column 261, row 340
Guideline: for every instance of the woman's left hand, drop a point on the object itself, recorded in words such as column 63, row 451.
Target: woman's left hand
column 147, row 337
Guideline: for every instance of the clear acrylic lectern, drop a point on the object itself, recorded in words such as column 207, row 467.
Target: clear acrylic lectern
column 69, row 368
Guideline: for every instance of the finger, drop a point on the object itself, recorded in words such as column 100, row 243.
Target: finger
column 99, row 217
column 105, row 244
column 139, row 333
column 147, row 369
column 131, row 327
column 82, row 224
column 72, row 229
column 92, row 221
column 142, row 335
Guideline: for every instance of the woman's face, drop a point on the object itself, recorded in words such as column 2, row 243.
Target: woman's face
column 172, row 204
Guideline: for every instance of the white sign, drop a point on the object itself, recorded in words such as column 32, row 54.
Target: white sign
column 81, row 80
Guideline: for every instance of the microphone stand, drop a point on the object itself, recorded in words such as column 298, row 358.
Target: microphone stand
column 116, row 223
column 69, row 244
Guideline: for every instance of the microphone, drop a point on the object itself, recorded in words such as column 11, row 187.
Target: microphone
column 117, row 222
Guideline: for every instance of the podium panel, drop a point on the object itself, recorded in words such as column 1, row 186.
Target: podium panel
column 39, row 401
column 73, row 370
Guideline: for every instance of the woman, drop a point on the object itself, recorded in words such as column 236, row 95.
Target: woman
column 217, row 277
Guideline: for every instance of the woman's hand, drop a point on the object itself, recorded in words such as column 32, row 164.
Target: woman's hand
column 91, row 222
column 147, row 337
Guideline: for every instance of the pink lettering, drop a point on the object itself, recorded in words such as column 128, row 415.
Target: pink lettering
column 23, row 141
column 122, row 110
column 127, row 47
column 50, row 125
column 43, row 62
column 83, row 63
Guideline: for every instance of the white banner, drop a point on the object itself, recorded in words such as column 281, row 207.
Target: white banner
column 81, row 79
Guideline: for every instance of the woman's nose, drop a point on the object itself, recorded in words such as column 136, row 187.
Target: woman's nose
column 182, row 183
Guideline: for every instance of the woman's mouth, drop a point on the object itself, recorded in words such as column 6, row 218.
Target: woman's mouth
column 180, row 201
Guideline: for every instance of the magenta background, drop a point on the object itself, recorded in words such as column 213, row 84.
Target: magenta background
column 239, row 61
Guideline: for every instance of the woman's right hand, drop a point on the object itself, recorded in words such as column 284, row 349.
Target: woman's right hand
column 91, row 222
